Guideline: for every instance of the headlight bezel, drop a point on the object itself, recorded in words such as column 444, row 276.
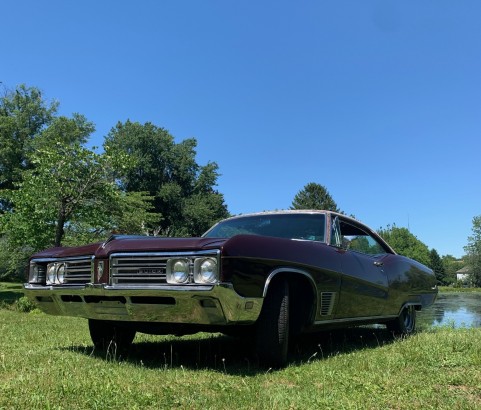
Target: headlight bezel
column 50, row 278
column 37, row 273
column 199, row 270
column 55, row 274
column 60, row 272
column 178, row 271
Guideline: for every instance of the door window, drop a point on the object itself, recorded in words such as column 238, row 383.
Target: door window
column 356, row 239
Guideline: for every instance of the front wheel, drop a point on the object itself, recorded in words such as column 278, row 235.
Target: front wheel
column 108, row 336
column 272, row 333
column 405, row 323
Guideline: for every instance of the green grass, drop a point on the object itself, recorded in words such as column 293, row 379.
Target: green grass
column 449, row 289
column 10, row 293
column 48, row 362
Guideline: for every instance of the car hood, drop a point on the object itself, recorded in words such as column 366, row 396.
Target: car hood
column 133, row 244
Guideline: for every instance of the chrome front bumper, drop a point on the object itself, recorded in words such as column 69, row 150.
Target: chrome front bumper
column 192, row 304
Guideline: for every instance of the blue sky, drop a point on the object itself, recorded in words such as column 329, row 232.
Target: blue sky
column 379, row 101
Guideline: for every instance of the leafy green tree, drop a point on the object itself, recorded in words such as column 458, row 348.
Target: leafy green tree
column 436, row 264
column 66, row 182
column 65, row 131
column 451, row 266
column 69, row 197
column 406, row 244
column 183, row 192
column 24, row 113
column 473, row 251
column 314, row 196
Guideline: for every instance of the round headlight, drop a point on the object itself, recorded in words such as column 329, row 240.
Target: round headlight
column 60, row 273
column 207, row 271
column 51, row 274
column 37, row 273
column 180, row 271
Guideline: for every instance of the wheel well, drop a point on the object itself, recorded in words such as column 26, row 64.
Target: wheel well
column 417, row 306
column 302, row 299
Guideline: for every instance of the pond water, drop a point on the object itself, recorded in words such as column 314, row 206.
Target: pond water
column 453, row 309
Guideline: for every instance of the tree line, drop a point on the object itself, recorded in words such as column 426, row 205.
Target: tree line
column 55, row 191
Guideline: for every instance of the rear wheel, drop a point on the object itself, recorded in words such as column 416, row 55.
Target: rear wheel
column 405, row 323
column 108, row 336
column 272, row 333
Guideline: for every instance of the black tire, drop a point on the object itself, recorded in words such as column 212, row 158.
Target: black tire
column 107, row 336
column 272, row 333
column 405, row 323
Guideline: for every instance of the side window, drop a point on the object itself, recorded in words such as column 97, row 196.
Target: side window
column 365, row 244
column 359, row 241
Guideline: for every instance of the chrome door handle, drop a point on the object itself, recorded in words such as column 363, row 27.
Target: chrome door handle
column 378, row 264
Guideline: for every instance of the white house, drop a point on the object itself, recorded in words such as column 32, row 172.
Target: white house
column 462, row 275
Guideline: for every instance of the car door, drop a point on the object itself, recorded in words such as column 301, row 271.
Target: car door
column 364, row 284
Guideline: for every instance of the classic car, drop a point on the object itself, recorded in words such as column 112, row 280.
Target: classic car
column 270, row 276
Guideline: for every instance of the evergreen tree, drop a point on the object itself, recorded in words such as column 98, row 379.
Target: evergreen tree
column 436, row 264
column 314, row 196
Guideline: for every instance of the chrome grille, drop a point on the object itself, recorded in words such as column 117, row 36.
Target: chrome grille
column 138, row 269
column 149, row 268
column 78, row 271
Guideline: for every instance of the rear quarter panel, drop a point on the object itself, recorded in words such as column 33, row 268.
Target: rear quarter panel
column 409, row 282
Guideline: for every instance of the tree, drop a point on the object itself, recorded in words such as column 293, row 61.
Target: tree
column 65, row 131
column 183, row 192
column 23, row 115
column 406, row 244
column 451, row 266
column 314, row 196
column 473, row 251
column 436, row 264
column 68, row 197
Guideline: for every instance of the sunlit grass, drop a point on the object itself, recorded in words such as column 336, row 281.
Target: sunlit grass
column 449, row 289
column 49, row 362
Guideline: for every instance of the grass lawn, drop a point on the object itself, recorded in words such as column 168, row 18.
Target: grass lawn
column 48, row 362
column 10, row 293
column 452, row 289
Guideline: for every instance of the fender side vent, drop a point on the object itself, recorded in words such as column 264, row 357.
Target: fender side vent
column 327, row 303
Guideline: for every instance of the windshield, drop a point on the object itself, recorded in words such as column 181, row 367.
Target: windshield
column 295, row 226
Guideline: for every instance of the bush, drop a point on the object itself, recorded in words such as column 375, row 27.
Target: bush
column 24, row 305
